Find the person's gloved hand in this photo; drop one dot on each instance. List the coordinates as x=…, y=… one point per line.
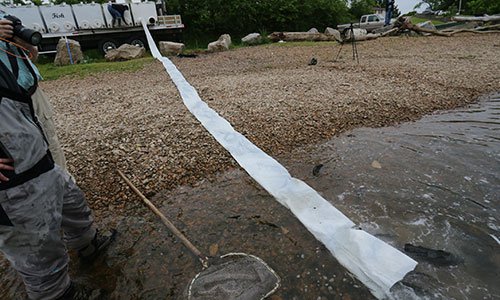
x=6, y=29
x=5, y=164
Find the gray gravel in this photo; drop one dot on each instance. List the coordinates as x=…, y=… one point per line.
x=137, y=122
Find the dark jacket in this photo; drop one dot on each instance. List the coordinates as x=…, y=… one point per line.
x=121, y=8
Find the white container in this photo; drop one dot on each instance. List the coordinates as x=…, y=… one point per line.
x=29, y=16
x=144, y=11
x=109, y=18
x=58, y=18
x=89, y=16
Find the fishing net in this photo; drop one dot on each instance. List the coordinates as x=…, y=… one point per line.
x=234, y=276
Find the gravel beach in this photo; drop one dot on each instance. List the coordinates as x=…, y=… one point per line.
x=137, y=122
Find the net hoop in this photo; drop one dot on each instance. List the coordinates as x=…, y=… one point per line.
x=276, y=286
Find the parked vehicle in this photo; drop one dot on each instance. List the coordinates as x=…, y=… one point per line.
x=91, y=24
x=368, y=22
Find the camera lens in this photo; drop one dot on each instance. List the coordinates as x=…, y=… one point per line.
x=29, y=35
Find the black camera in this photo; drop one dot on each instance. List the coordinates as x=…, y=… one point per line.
x=29, y=35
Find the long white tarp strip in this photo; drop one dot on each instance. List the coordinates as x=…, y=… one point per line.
x=375, y=263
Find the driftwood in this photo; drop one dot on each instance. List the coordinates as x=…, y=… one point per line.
x=485, y=18
x=366, y=37
x=405, y=23
x=389, y=32
x=300, y=37
x=480, y=30
x=473, y=31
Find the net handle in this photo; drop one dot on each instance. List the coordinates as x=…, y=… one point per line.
x=203, y=259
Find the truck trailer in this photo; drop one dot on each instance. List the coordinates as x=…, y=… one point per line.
x=91, y=24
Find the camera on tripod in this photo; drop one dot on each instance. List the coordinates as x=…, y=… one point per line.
x=30, y=36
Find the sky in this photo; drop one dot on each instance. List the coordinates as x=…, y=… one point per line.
x=407, y=5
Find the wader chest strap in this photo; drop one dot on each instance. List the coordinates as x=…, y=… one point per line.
x=42, y=166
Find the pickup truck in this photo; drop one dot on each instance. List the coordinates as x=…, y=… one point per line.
x=368, y=22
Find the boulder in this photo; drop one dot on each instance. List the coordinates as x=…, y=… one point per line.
x=313, y=30
x=334, y=32
x=125, y=52
x=427, y=25
x=171, y=48
x=252, y=39
x=63, y=55
x=222, y=44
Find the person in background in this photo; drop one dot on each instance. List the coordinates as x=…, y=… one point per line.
x=117, y=11
x=389, y=7
x=42, y=210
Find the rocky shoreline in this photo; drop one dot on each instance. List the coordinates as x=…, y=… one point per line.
x=137, y=122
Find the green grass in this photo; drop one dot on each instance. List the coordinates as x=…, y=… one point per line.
x=416, y=20
x=89, y=67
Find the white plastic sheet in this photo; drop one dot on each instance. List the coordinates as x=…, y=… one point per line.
x=375, y=263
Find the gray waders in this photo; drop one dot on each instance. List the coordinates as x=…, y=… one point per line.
x=38, y=201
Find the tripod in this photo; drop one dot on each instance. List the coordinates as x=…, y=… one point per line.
x=353, y=43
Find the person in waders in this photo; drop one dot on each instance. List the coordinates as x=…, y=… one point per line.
x=42, y=210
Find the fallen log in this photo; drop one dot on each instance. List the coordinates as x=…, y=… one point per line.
x=366, y=37
x=482, y=29
x=389, y=32
x=485, y=18
x=301, y=37
x=473, y=31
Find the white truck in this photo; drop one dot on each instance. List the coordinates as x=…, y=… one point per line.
x=91, y=24
x=368, y=22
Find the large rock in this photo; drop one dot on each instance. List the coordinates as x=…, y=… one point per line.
x=313, y=30
x=171, y=48
x=222, y=44
x=334, y=32
x=125, y=52
x=427, y=25
x=252, y=39
x=63, y=54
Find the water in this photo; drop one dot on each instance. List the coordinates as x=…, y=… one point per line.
x=434, y=183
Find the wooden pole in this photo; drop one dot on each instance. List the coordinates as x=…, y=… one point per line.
x=173, y=229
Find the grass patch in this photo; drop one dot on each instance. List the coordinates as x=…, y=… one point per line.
x=91, y=66
x=416, y=20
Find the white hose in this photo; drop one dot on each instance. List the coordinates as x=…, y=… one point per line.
x=375, y=263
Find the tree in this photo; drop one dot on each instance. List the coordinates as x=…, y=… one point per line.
x=361, y=7
x=472, y=7
x=239, y=17
x=481, y=7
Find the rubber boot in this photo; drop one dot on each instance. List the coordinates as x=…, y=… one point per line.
x=97, y=246
x=77, y=291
